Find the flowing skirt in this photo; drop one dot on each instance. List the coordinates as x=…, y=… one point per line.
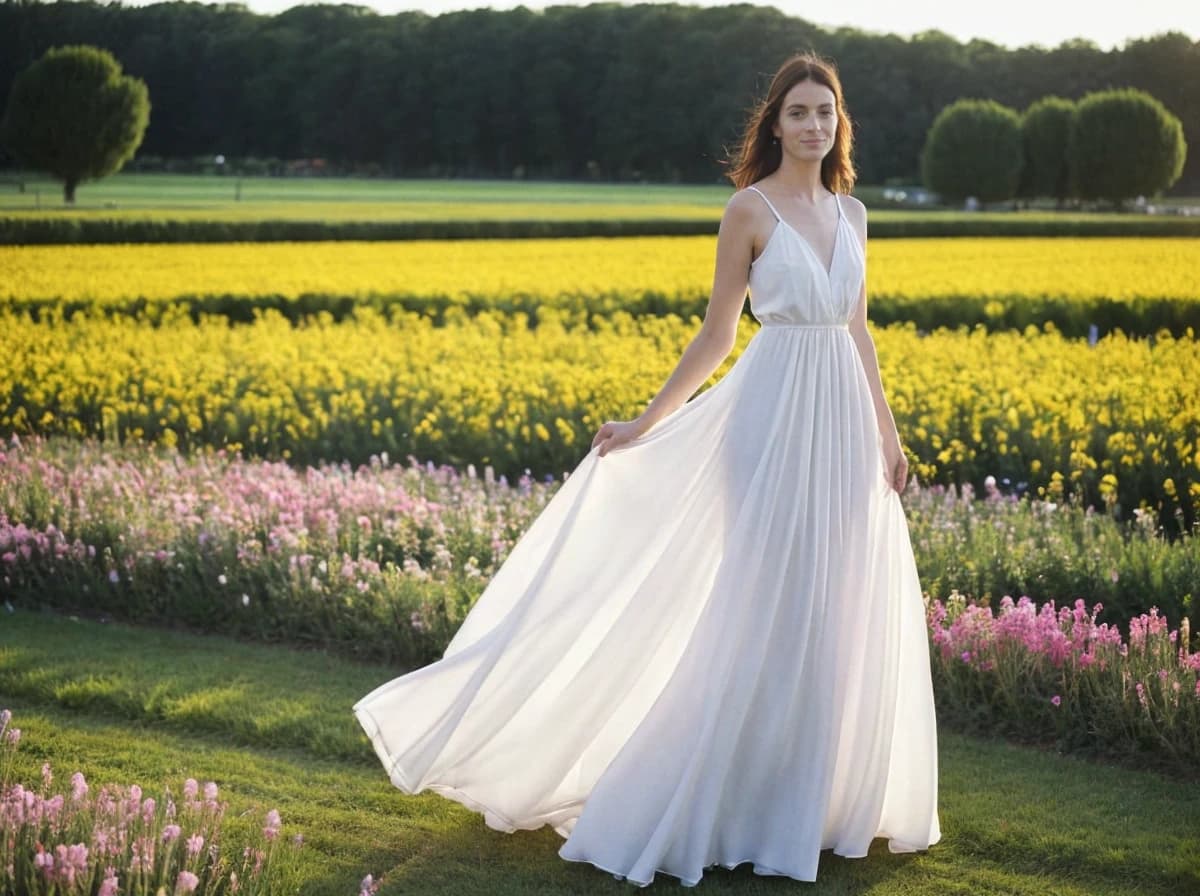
x=709, y=648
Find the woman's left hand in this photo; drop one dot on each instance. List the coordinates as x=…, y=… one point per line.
x=895, y=463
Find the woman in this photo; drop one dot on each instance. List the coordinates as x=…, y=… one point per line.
x=710, y=647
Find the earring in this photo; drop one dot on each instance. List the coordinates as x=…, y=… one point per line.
x=774, y=139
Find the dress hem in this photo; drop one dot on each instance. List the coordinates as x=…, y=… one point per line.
x=761, y=870
x=494, y=819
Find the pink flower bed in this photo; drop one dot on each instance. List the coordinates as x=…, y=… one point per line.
x=1031, y=670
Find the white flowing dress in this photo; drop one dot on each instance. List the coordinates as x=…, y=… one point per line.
x=710, y=647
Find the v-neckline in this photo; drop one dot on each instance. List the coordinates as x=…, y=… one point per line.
x=837, y=238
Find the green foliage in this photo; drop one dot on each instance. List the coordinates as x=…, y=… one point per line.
x=74, y=115
x=1072, y=316
x=1045, y=133
x=1124, y=143
x=57, y=229
x=974, y=149
x=600, y=92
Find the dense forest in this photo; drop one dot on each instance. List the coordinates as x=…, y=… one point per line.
x=604, y=91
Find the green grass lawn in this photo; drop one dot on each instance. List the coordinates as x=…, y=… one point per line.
x=273, y=727
x=212, y=197
x=354, y=199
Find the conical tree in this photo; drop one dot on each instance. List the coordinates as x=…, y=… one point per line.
x=75, y=116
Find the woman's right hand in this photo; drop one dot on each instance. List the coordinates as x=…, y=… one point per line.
x=615, y=433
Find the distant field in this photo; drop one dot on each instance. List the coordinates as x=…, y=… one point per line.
x=211, y=197
x=342, y=199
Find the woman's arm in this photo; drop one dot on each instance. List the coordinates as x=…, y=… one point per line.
x=718, y=333
x=894, y=460
x=857, y=215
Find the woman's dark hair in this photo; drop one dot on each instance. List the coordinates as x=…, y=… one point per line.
x=758, y=155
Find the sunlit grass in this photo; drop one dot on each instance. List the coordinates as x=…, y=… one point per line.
x=213, y=197
x=193, y=197
x=1015, y=820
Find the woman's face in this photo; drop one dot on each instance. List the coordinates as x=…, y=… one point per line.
x=807, y=120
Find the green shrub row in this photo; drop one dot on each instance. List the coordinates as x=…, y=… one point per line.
x=1072, y=317
x=54, y=231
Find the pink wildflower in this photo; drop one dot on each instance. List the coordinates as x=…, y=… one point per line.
x=271, y=831
x=109, y=885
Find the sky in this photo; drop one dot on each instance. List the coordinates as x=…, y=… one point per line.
x=1011, y=23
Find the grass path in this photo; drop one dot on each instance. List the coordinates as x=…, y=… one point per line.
x=272, y=726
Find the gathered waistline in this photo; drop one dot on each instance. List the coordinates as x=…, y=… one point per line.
x=806, y=326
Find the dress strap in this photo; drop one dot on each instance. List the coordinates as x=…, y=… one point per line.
x=766, y=200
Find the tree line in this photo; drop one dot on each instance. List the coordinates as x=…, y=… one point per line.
x=611, y=92
x=1112, y=145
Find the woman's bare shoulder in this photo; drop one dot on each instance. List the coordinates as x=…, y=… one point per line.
x=743, y=196
x=854, y=205
x=743, y=207
x=856, y=214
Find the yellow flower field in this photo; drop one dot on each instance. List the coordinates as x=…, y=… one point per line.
x=1123, y=269
x=1119, y=420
